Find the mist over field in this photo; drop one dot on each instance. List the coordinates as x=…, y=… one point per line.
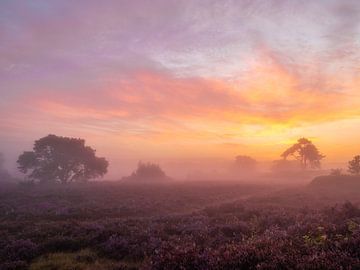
x=165, y=134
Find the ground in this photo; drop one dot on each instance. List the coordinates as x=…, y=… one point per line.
x=178, y=225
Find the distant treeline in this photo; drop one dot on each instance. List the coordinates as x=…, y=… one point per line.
x=57, y=159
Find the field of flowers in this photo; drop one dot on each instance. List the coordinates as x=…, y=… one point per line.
x=178, y=226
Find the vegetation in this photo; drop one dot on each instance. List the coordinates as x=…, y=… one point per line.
x=336, y=172
x=305, y=152
x=245, y=163
x=147, y=171
x=4, y=175
x=354, y=165
x=177, y=226
x=337, y=182
x=170, y=225
x=83, y=259
x=61, y=159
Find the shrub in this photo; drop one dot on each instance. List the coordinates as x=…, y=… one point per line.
x=19, y=250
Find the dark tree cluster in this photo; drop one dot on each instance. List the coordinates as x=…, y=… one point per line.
x=354, y=165
x=305, y=152
x=245, y=163
x=147, y=171
x=61, y=159
x=4, y=174
x=353, y=168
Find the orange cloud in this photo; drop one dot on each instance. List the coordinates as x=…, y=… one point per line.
x=259, y=109
x=268, y=95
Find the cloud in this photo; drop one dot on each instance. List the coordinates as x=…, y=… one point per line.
x=198, y=37
x=176, y=72
x=160, y=104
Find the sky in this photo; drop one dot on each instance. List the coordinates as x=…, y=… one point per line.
x=181, y=81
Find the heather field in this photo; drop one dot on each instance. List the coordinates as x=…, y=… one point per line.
x=177, y=134
x=178, y=225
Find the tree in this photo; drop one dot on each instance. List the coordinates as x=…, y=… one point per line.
x=354, y=165
x=4, y=175
x=336, y=172
x=306, y=152
x=147, y=171
x=2, y=161
x=245, y=163
x=61, y=159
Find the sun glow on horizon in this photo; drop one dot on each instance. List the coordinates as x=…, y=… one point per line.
x=181, y=85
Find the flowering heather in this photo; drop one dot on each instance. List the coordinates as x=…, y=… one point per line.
x=126, y=226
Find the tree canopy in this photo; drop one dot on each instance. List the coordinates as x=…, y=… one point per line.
x=147, y=171
x=61, y=159
x=4, y=175
x=354, y=165
x=245, y=163
x=306, y=152
x=2, y=160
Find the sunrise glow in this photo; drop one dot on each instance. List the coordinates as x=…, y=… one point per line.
x=170, y=80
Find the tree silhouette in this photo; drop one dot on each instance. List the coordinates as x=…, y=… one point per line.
x=147, y=171
x=354, y=165
x=245, y=163
x=306, y=152
x=336, y=172
x=4, y=175
x=61, y=159
x=2, y=160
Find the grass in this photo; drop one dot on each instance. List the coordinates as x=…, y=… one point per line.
x=82, y=260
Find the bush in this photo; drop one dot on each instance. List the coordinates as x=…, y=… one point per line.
x=19, y=250
x=147, y=171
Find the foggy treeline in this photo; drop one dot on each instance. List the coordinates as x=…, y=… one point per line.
x=65, y=160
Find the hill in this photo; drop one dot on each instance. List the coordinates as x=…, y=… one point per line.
x=340, y=182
